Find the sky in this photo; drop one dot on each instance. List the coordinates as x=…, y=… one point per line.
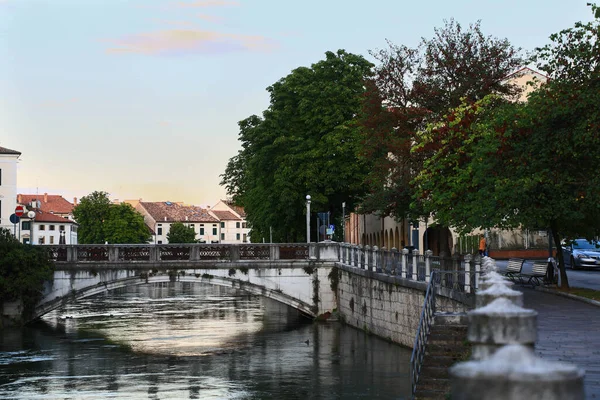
x=141, y=98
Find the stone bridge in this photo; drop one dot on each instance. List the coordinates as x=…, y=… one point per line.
x=293, y=274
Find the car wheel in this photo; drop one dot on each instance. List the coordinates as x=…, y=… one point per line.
x=573, y=266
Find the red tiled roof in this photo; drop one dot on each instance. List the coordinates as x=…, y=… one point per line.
x=225, y=216
x=173, y=212
x=237, y=209
x=42, y=216
x=48, y=202
x=4, y=150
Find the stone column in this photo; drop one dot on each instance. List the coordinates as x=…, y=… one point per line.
x=468, y=273
x=515, y=373
x=428, y=254
x=404, y=262
x=500, y=323
x=415, y=264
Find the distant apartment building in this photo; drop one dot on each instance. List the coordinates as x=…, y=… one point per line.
x=8, y=186
x=52, y=221
x=233, y=223
x=159, y=216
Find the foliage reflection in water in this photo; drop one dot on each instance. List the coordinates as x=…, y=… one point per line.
x=195, y=341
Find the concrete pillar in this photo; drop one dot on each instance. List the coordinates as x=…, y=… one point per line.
x=404, y=262
x=415, y=264
x=234, y=253
x=515, y=373
x=485, y=297
x=468, y=258
x=371, y=258
x=500, y=323
x=113, y=253
x=428, y=255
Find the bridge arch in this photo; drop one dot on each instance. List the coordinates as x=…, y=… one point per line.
x=249, y=287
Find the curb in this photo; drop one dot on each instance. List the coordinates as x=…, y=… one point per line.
x=570, y=296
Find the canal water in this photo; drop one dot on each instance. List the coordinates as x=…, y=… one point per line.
x=191, y=341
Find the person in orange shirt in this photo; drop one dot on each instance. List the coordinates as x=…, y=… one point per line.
x=482, y=245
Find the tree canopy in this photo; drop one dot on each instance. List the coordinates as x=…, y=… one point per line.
x=23, y=271
x=415, y=86
x=179, y=233
x=101, y=221
x=532, y=164
x=306, y=142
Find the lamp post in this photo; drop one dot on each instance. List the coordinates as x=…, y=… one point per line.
x=308, y=218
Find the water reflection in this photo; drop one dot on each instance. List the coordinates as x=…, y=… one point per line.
x=198, y=342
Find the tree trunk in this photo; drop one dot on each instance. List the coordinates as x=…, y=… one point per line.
x=564, y=280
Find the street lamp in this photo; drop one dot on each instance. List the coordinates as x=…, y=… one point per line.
x=308, y=218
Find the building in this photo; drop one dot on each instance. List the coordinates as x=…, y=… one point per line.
x=159, y=216
x=8, y=186
x=52, y=222
x=234, y=228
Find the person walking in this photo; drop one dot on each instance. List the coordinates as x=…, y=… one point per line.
x=482, y=245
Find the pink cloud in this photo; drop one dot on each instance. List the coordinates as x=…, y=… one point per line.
x=207, y=3
x=188, y=41
x=210, y=18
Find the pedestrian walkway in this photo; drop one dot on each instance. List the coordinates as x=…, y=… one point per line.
x=568, y=330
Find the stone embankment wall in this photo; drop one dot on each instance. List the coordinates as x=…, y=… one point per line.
x=388, y=306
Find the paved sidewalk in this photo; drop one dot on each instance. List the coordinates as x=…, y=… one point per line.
x=568, y=330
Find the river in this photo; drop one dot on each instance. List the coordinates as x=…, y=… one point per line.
x=191, y=341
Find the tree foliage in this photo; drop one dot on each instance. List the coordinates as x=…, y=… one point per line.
x=101, y=221
x=306, y=142
x=415, y=86
x=531, y=165
x=179, y=233
x=23, y=271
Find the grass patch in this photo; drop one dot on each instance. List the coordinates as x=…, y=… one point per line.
x=582, y=292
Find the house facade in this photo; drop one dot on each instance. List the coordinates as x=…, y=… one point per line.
x=8, y=186
x=159, y=216
x=233, y=224
x=51, y=221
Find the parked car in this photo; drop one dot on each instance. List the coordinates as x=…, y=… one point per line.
x=582, y=253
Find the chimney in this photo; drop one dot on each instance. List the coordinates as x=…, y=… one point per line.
x=186, y=217
x=45, y=197
x=74, y=201
x=165, y=219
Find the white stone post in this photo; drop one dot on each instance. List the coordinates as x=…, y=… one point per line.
x=468, y=273
x=415, y=264
x=428, y=254
x=477, y=272
x=404, y=262
x=373, y=261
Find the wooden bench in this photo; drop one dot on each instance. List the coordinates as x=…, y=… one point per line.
x=538, y=273
x=514, y=268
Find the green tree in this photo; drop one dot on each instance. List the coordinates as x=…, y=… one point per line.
x=306, y=142
x=415, y=86
x=179, y=233
x=528, y=164
x=101, y=221
x=23, y=271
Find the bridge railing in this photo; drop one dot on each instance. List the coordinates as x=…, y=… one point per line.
x=192, y=252
x=456, y=273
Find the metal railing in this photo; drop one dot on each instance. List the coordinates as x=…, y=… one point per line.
x=427, y=314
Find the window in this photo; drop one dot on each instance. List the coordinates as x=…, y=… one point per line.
x=42, y=227
x=245, y=238
x=237, y=236
x=61, y=227
x=159, y=231
x=25, y=240
x=193, y=226
x=243, y=225
x=51, y=239
x=222, y=236
x=222, y=224
x=25, y=225
x=201, y=230
x=237, y=225
x=51, y=227
x=214, y=230
x=41, y=240
x=160, y=242
x=0, y=177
